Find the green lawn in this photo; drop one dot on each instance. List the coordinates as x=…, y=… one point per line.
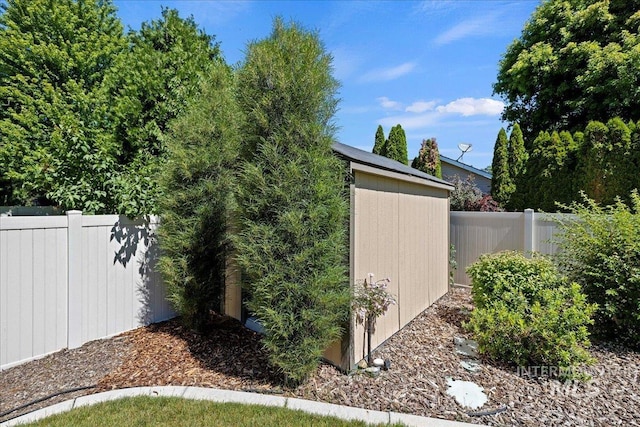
x=165, y=411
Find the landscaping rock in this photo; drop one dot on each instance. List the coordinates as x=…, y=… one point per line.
x=466, y=393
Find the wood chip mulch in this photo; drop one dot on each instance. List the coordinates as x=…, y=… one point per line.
x=422, y=357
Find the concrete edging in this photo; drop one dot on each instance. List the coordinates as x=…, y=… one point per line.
x=231, y=396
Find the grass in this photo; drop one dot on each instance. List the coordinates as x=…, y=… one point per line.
x=174, y=411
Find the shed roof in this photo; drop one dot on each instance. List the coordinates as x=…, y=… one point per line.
x=466, y=167
x=384, y=163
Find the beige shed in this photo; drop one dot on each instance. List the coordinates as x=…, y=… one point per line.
x=399, y=228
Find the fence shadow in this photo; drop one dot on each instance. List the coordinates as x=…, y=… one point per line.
x=138, y=241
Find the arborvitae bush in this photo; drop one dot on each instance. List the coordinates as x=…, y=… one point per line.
x=502, y=185
x=197, y=184
x=293, y=212
x=600, y=249
x=396, y=146
x=527, y=314
x=380, y=142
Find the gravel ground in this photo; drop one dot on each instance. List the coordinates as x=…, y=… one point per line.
x=422, y=357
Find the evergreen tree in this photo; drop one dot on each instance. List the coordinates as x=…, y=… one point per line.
x=517, y=162
x=53, y=145
x=380, y=144
x=293, y=213
x=197, y=181
x=592, y=167
x=501, y=184
x=428, y=159
x=620, y=161
x=517, y=152
x=396, y=145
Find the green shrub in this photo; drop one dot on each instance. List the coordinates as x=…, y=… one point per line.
x=600, y=249
x=495, y=275
x=527, y=314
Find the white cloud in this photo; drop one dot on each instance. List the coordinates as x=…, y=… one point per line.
x=472, y=107
x=423, y=114
x=412, y=121
x=386, y=74
x=388, y=104
x=420, y=107
x=479, y=26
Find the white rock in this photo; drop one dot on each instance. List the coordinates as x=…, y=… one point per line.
x=378, y=362
x=466, y=393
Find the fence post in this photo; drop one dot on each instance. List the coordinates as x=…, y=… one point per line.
x=529, y=231
x=74, y=279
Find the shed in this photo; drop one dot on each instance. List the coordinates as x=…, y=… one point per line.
x=451, y=168
x=399, y=228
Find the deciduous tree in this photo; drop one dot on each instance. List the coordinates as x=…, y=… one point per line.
x=428, y=159
x=575, y=62
x=151, y=84
x=54, y=147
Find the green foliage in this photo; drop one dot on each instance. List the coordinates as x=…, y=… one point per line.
x=197, y=182
x=53, y=145
x=575, y=61
x=465, y=193
x=527, y=314
x=428, y=159
x=501, y=183
x=380, y=143
x=396, y=146
x=292, y=244
x=602, y=161
x=517, y=152
x=600, y=249
x=87, y=109
x=151, y=84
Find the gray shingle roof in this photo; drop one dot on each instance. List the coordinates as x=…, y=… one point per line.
x=370, y=159
x=466, y=167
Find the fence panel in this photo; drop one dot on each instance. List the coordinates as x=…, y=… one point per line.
x=477, y=233
x=33, y=287
x=67, y=280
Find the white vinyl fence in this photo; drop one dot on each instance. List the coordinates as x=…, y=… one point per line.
x=70, y=279
x=477, y=233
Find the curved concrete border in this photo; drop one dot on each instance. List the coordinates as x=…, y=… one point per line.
x=217, y=395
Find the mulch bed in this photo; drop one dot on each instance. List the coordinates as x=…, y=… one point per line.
x=422, y=358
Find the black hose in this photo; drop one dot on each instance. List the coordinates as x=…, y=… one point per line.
x=42, y=399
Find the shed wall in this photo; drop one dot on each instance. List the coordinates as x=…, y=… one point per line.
x=400, y=231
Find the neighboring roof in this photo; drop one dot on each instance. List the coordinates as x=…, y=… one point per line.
x=381, y=162
x=466, y=167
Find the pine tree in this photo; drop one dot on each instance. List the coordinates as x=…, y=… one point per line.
x=501, y=184
x=292, y=244
x=380, y=144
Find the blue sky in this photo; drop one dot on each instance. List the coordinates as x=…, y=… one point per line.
x=427, y=65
